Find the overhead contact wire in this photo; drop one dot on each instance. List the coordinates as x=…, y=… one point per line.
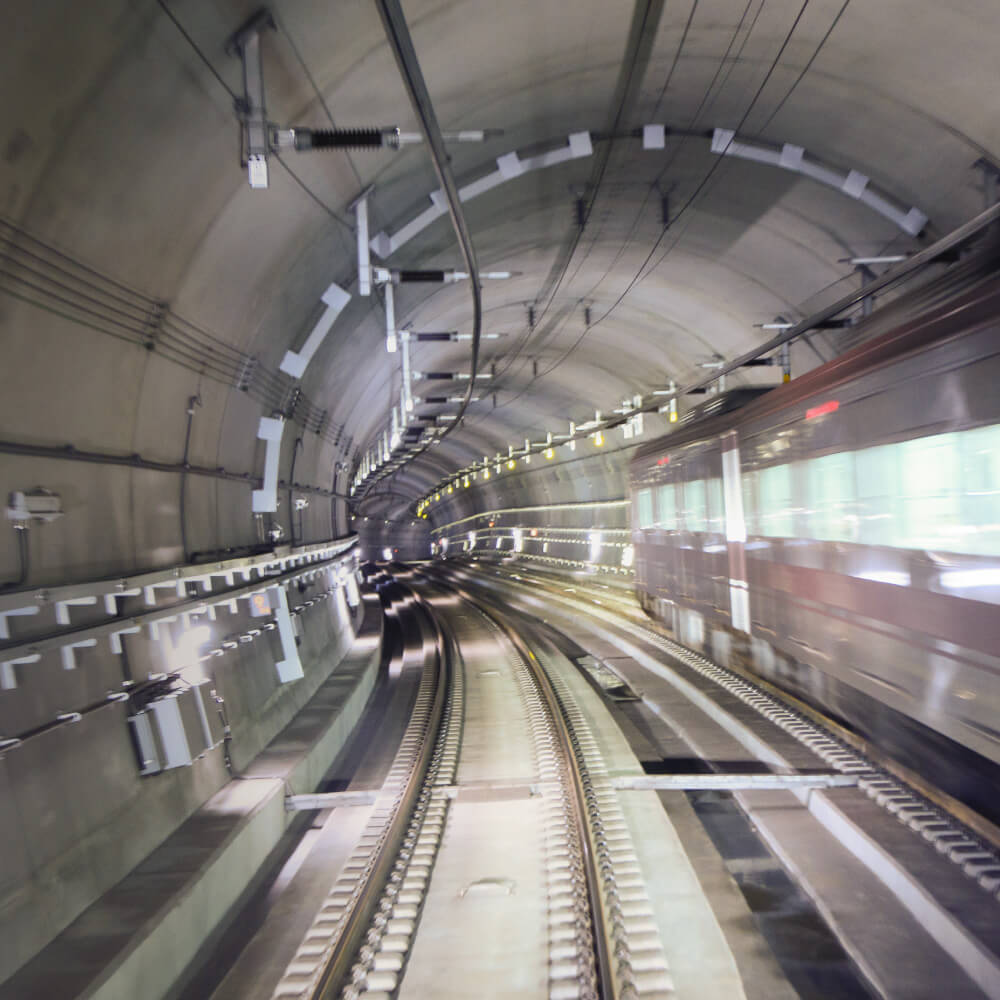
x=684, y=208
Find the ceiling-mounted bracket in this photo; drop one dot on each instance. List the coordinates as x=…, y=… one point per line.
x=250, y=108
x=360, y=209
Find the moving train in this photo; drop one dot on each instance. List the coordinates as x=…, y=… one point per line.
x=840, y=536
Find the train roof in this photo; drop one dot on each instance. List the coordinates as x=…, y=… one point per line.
x=960, y=314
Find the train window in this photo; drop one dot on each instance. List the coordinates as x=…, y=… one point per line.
x=645, y=508
x=749, y=479
x=695, y=506
x=877, y=471
x=938, y=493
x=980, y=460
x=716, y=507
x=666, y=504
x=776, y=516
x=830, y=498
x=930, y=493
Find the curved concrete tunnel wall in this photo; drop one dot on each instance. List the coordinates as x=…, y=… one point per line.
x=124, y=159
x=119, y=155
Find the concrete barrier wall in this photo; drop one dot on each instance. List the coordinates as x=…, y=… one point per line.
x=77, y=816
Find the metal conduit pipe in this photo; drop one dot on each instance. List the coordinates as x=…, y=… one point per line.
x=398, y=35
x=135, y=461
x=182, y=500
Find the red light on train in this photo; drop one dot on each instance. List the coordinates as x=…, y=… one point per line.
x=663, y=461
x=831, y=406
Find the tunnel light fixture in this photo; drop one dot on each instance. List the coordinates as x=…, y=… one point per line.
x=595, y=545
x=896, y=258
x=511, y=463
x=550, y=453
x=390, y=321
x=486, y=473
x=598, y=439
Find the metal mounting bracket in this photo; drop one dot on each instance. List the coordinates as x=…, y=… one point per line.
x=251, y=108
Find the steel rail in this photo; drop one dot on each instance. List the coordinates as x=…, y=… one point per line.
x=338, y=970
x=603, y=945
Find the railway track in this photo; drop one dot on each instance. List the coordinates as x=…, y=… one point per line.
x=943, y=871
x=597, y=940
x=514, y=847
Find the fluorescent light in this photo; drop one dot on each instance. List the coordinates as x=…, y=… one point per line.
x=895, y=258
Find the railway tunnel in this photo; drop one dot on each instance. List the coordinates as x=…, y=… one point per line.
x=501, y=499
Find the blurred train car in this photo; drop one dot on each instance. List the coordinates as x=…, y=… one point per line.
x=840, y=536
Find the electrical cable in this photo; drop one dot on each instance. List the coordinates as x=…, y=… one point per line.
x=806, y=68
x=292, y=173
x=687, y=204
x=656, y=186
x=23, y=234
x=597, y=175
x=649, y=24
x=201, y=55
x=677, y=55
x=312, y=194
x=114, y=310
x=692, y=125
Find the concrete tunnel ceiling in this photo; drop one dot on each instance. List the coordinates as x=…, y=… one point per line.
x=121, y=150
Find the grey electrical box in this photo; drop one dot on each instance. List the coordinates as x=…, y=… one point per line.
x=173, y=731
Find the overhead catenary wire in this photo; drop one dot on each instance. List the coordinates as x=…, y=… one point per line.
x=640, y=29
x=677, y=55
x=197, y=50
x=655, y=187
x=807, y=67
x=683, y=210
x=643, y=27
